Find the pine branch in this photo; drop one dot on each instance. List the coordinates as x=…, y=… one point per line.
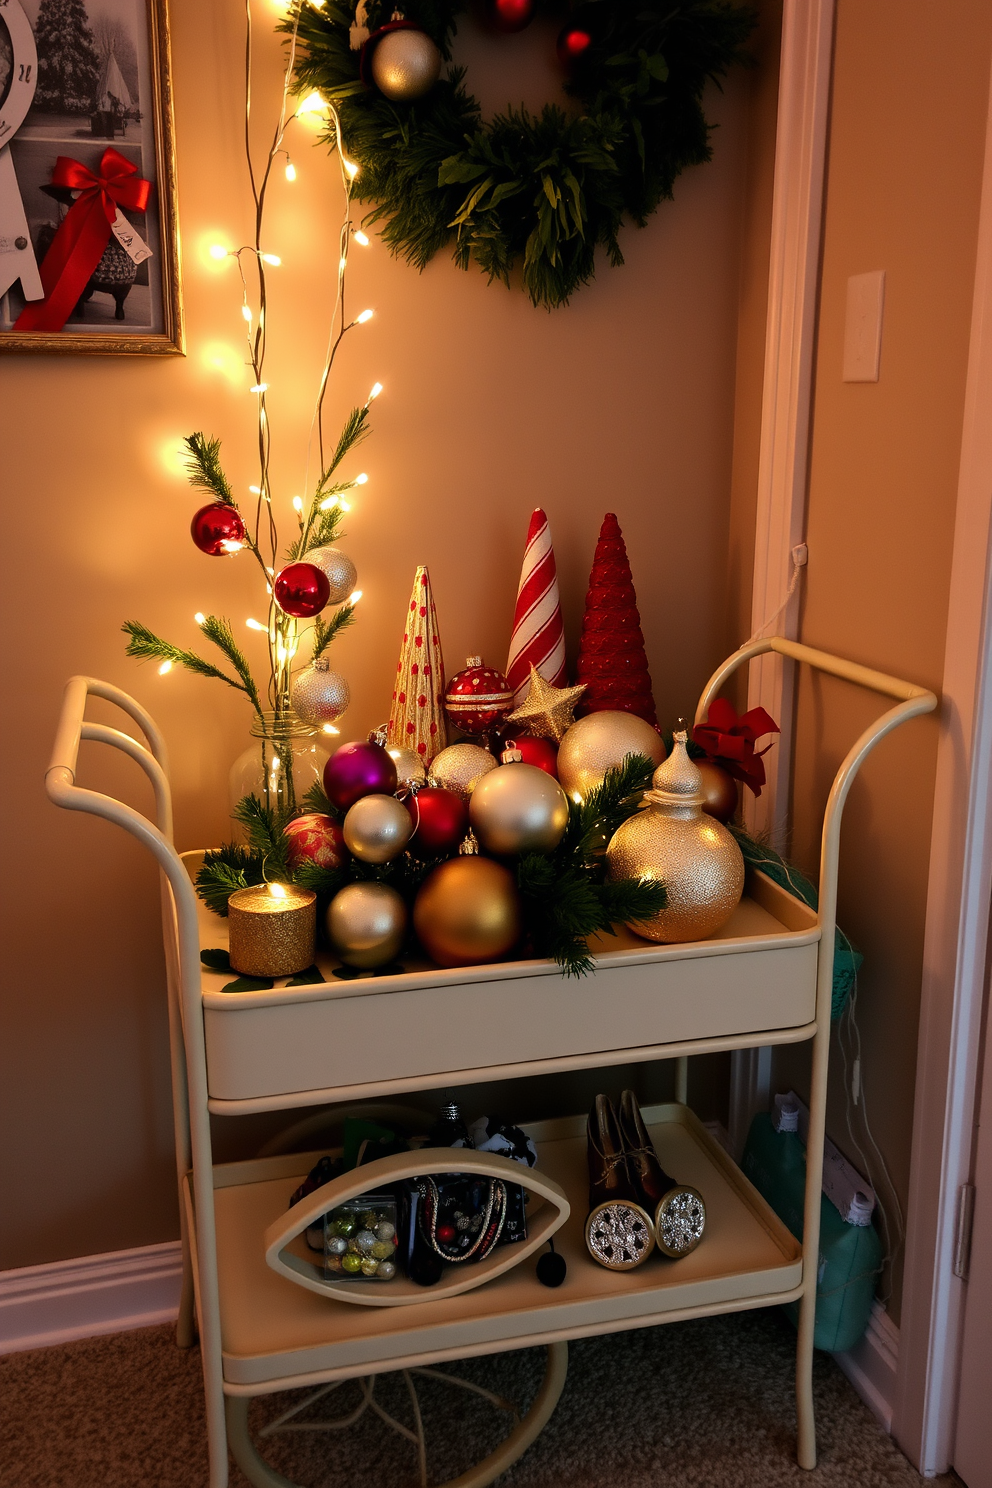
x=325, y=631
x=355, y=429
x=628, y=901
x=146, y=646
x=615, y=799
x=203, y=468
x=224, y=871
x=264, y=828
x=219, y=631
x=321, y=527
x=316, y=802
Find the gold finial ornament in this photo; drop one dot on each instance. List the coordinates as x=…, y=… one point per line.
x=547, y=711
x=672, y=842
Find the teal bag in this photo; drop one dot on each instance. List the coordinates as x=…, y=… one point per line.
x=847, y=960
x=850, y=1255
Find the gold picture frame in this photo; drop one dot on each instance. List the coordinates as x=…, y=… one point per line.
x=159, y=330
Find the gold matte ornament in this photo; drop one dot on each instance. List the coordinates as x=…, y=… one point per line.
x=272, y=928
x=673, y=842
x=405, y=64
x=458, y=767
x=366, y=923
x=377, y=828
x=518, y=808
x=467, y=912
x=599, y=742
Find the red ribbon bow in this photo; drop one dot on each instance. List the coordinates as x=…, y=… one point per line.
x=729, y=741
x=83, y=234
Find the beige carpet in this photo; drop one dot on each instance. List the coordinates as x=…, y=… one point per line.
x=705, y=1404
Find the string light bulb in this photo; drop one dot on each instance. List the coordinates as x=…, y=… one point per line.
x=361, y=237
x=255, y=490
x=365, y=316
x=345, y=505
x=254, y=624
x=259, y=387
x=200, y=618
x=246, y=312
x=330, y=729
x=218, y=251
x=164, y=668
x=272, y=259
x=298, y=503
x=376, y=390
x=312, y=104
x=361, y=480
x=328, y=502
x=290, y=171
x=351, y=168
x=354, y=596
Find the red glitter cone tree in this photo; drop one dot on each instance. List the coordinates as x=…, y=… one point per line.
x=612, y=661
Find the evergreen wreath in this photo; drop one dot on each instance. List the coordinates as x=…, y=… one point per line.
x=546, y=189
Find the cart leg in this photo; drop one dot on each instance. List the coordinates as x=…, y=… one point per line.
x=682, y=1079
x=186, y=1322
x=805, y=1420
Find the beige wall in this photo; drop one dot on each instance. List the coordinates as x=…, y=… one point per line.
x=622, y=402
x=907, y=132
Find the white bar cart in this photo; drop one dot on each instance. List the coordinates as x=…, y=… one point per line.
x=264, y=1324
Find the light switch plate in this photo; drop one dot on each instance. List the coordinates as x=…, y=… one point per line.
x=863, y=326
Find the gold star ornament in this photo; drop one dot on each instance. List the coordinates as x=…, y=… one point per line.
x=547, y=711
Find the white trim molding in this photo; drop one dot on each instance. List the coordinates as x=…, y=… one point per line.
x=65, y=1300
x=872, y=1365
x=957, y=924
x=797, y=209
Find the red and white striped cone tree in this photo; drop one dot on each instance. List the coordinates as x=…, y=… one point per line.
x=538, y=637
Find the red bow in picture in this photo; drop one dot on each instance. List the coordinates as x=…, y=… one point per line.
x=729, y=741
x=83, y=234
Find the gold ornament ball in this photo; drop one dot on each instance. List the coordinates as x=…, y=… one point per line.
x=366, y=923
x=518, y=808
x=405, y=64
x=341, y=573
x=458, y=767
x=319, y=695
x=671, y=841
x=377, y=829
x=467, y=912
x=599, y=742
x=719, y=789
x=410, y=768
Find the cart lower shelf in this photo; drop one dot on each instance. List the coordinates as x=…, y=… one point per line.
x=277, y=1334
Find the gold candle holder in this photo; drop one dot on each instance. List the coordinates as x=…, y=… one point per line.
x=272, y=929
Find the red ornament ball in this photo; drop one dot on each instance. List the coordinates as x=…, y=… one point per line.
x=477, y=698
x=314, y=839
x=357, y=770
x=445, y=1233
x=511, y=15
x=440, y=821
x=218, y=530
x=540, y=752
x=572, y=42
x=719, y=789
x=301, y=590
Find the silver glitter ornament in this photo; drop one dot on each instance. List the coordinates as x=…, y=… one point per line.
x=680, y=1221
x=341, y=573
x=619, y=1235
x=319, y=695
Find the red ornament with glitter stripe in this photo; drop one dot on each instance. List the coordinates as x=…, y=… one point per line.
x=478, y=698
x=416, y=714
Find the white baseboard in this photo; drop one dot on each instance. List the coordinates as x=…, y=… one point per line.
x=42, y=1305
x=872, y=1364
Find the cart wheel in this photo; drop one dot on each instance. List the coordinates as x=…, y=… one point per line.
x=525, y=1431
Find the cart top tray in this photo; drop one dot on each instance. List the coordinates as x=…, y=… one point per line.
x=425, y=1027
x=275, y=1331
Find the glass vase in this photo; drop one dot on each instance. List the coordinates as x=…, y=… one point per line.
x=284, y=759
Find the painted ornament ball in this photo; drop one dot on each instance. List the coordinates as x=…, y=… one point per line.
x=316, y=839
x=406, y=63
x=440, y=821
x=377, y=829
x=366, y=923
x=355, y=770
x=599, y=742
x=467, y=912
x=477, y=698
x=301, y=590
x=218, y=530
x=518, y=808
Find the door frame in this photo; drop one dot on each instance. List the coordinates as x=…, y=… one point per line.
x=957, y=925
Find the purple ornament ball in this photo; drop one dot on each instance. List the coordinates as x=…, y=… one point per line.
x=357, y=770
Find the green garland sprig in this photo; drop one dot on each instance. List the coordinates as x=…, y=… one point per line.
x=565, y=894
x=541, y=190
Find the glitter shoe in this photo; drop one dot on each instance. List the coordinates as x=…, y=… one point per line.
x=679, y=1211
x=619, y=1233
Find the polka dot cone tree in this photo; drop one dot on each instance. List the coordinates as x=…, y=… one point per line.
x=416, y=716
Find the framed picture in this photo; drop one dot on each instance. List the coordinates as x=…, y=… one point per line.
x=89, y=245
